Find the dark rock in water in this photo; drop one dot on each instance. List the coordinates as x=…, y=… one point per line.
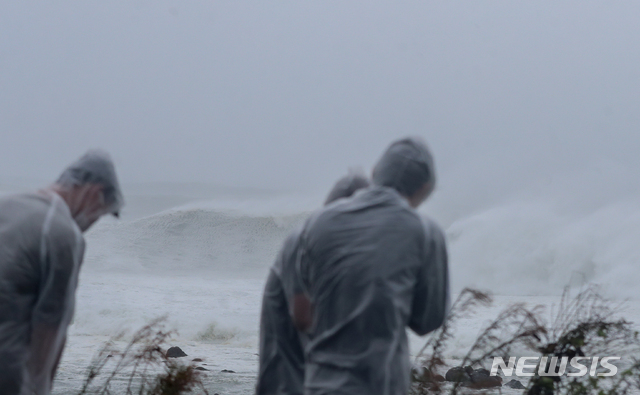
x=515, y=384
x=227, y=371
x=175, y=352
x=201, y=368
x=481, y=378
x=458, y=374
x=483, y=372
x=196, y=360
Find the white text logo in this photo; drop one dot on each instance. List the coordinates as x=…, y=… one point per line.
x=551, y=366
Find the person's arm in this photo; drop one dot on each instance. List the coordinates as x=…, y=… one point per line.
x=431, y=293
x=44, y=356
x=53, y=310
x=57, y=361
x=300, y=302
x=301, y=312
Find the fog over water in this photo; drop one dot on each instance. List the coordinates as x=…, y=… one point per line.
x=288, y=94
x=530, y=109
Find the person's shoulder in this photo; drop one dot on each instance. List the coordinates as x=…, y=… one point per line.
x=63, y=225
x=382, y=203
x=432, y=230
x=60, y=226
x=33, y=202
x=293, y=235
x=292, y=241
x=24, y=210
x=360, y=201
x=312, y=220
x=288, y=249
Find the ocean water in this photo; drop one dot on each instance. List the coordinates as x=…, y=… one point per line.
x=200, y=255
x=200, y=262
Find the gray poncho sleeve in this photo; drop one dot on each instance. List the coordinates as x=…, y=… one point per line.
x=431, y=294
x=62, y=255
x=61, y=250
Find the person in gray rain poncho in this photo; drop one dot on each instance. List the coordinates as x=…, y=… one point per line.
x=281, y=370
x=41, y=249
x=372, y=266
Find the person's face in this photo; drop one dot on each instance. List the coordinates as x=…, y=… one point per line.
x=90, y=206
x=420, y=195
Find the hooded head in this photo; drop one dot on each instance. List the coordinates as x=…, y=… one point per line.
x=407, y=166
x=347, y=186
x=90, y=187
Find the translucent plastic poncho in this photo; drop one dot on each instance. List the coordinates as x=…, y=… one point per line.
x=281, y=365
x=41, y=249
x=372, y=267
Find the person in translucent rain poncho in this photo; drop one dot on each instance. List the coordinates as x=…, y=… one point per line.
x=371, y=266
x=281, y=365
x=41, y=249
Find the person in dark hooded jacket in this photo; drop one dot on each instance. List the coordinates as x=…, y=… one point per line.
x=281, y=356
x=372, y=266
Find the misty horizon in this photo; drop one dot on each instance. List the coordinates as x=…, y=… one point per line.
x=287, y=96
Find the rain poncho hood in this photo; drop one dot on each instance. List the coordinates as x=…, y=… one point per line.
x=41, y=250
x=371, y=267
x=96, y=167
x=406, y=166
x=281, y=370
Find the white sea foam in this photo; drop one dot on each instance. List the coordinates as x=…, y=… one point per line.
x=534, y=249
x=194, y=261
x=190, y=240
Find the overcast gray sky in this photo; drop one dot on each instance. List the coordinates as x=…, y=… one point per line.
x=288, y=94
